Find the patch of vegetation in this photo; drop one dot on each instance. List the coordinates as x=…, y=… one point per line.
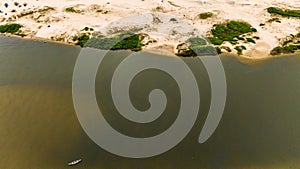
x=274, y=20
x=215, y=41
x=173, y=20
x=262, y=24
x=205, y=15
x=290, y=45
x=46, y=9
x=199, y=51
x=203, y=50
x=82, y=39
x=72, y=10
x=250, y=40
x=197, y=47
x=124, y=41
x=240, y=38
x=287, y=41
x=226, y=48
x=230, y=31
x=10, y=28
x=159, y=9
x=196, y=41
x=284, y=12
x=87, y=29
x=240, y=49
x=218, y=49
x=285, y=49
x=256, y=37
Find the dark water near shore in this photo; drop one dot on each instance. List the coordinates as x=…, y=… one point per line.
x=260, y=127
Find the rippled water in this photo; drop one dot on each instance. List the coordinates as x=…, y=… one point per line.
x=39, y=127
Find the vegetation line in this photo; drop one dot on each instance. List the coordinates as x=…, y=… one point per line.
x=284, y=12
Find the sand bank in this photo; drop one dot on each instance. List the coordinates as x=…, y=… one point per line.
x=60, y=20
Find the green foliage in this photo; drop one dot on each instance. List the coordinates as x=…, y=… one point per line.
x=240, y=38
x=215, y=41
x=289, y=45
x=75, y=38
x=285, y=49
x=10, y=28
x=72, y=10
x=226, y=48
x=197, y=41
x=199, y=51
x=230, y=31
x=240, y=49
x=250, y=40
x=82, y=39
x=123, y=41
x=284, y=43
x=205, y=15
x=256, y=37
x=274, y=20
x=198, y=47
x=284, y=12
x=203, y=50
x=218, y=49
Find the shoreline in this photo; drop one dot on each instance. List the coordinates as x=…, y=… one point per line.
x=157, y=50
x=60, y=20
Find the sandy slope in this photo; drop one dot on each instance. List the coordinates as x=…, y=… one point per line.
x=63, y=25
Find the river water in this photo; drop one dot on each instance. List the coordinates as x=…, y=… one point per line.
x=39, y=128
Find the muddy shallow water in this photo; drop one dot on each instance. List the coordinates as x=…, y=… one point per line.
x=39, y=127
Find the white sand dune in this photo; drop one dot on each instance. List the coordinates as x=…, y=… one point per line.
x=97, y=14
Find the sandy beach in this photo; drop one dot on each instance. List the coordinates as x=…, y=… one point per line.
x=51, y=20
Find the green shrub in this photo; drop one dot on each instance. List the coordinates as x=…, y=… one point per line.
x=199, y=51
x=123, y=41
x=226, y=48
x=256, y=37
x=75, y=38
x=10, y=28
x=274, y=20
x=203, y=50
x=205, y=15
x=285, y=49
x=197, y=41
x=250, y=40
x=284, y=12
x=240, y=49
x=218, y=49
x=240, y=38
x=82, y=39
x=72, y=10
x=215, y=41
x=230, y=31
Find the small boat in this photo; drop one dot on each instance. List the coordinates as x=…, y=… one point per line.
x=75, y=162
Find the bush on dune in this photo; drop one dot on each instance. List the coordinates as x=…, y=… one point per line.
x=10, y=28
x=124, y=41
x=284, y=12
x=230, y=31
